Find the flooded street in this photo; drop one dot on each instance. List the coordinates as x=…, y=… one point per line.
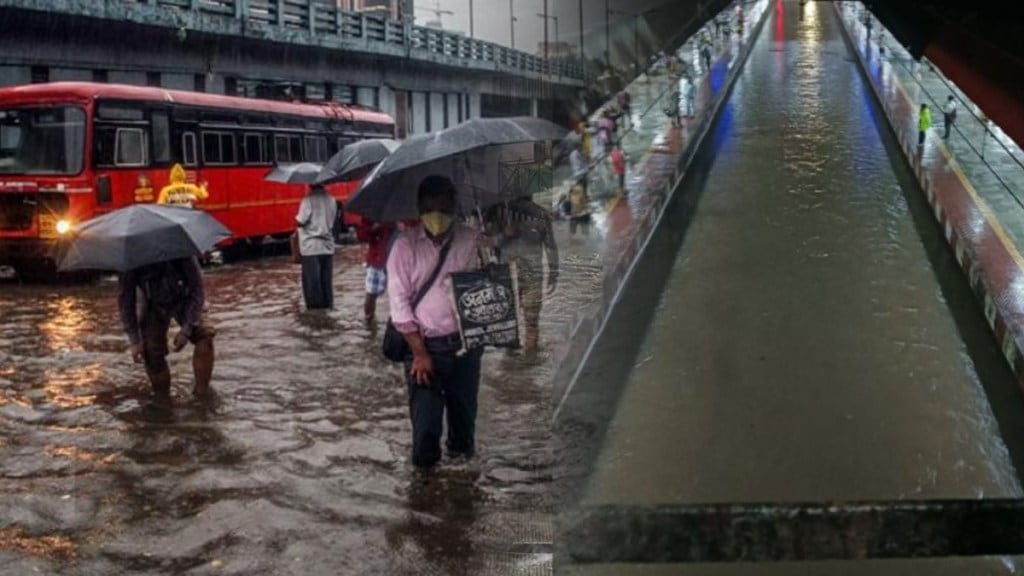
x=301, y=465
x=815, y=340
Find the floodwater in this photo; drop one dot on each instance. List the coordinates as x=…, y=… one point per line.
x=815, y=340
x=301, y=465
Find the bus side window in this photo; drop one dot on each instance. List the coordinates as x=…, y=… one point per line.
x=161, y=138
x=130, y=147
x=188, y=148
x=219, y=148
x=316, y=149
x=295, y=147
x=255, y=148
x=287, y=149
x=281, y=149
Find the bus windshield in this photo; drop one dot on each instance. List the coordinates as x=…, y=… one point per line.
x=42, y=140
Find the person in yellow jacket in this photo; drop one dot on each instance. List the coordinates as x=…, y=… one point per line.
x=924, y=122
x=179, y=192
x=584, y=134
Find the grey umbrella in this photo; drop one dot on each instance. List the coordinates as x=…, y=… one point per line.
x=350, y=161
x=301, y=173
x=469, y=153
x=139, y=235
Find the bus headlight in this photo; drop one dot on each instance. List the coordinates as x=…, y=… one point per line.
x=63, y=227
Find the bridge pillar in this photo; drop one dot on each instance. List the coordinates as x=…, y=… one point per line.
x=474, y=105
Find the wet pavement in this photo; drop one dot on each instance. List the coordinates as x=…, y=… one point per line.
x=986, y=156
x=301, y=465
x=815, y=340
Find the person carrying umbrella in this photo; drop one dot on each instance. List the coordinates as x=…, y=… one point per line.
x=169, y=290
x=316, y=220
x=437, y=377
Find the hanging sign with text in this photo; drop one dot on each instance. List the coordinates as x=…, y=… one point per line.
x=487, y=304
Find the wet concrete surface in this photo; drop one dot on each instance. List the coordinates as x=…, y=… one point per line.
x=815, y=340
x=299, y=467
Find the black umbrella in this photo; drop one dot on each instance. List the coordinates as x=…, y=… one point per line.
x=351, y=160
x=470, y=153
x=140, y=235
x=301, y=173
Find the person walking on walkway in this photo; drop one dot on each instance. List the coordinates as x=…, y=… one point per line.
x=169, y=291
x=316, y=219
x=687, y=96
x=625, y=103
x=705, y=54
x=579, y=207
x=619, y=167
x=377, y=236
x=949, y=115
x=585, y=139
x=924, y=122
x=525, y=236
x=438, y=378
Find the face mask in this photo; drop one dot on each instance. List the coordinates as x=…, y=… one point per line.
x=436, y=223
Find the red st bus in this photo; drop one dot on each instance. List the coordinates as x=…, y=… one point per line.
x=70, y=151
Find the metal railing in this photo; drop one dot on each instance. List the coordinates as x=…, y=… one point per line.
x=325, y=18
x=983, y=131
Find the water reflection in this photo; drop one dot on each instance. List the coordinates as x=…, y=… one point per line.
x=65, y=323
x=304, y=453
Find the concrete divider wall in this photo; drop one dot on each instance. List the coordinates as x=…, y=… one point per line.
x=663, y=174
x=986, y=256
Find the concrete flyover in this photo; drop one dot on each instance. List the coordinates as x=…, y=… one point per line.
x=428, y=79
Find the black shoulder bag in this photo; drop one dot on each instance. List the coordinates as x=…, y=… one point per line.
x=395, y=347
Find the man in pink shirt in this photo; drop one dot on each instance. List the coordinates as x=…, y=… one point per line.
x=438, y=379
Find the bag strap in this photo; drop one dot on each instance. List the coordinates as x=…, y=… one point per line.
x=433, y=275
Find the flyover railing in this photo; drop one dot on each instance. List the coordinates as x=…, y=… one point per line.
x=992, y=161
x=325, y=18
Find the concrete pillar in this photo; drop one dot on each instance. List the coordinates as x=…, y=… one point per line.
x=14, y=75
x=474, y=105
x=418, y=112
x=70, y=75
x=134, y=78
x=387, y=101
x=436, y=111
x=453, y=109
x=534, y=107
x=177, y=81
x=364, y=96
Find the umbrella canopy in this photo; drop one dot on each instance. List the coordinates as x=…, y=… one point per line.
x=139, y=235
x=350, y=161
x=471, y=154
x=301, y=173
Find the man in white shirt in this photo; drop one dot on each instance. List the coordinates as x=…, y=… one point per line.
x=949, y=115
x=315, y=221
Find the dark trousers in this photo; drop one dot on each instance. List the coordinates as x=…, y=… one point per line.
x=453, y=393
x=920, y=137
x=949, y=124
x=317, y=281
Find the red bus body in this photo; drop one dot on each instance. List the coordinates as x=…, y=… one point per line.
x=70, y=151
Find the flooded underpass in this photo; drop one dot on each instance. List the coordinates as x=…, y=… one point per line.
x=812, y=338
x=300, y=466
